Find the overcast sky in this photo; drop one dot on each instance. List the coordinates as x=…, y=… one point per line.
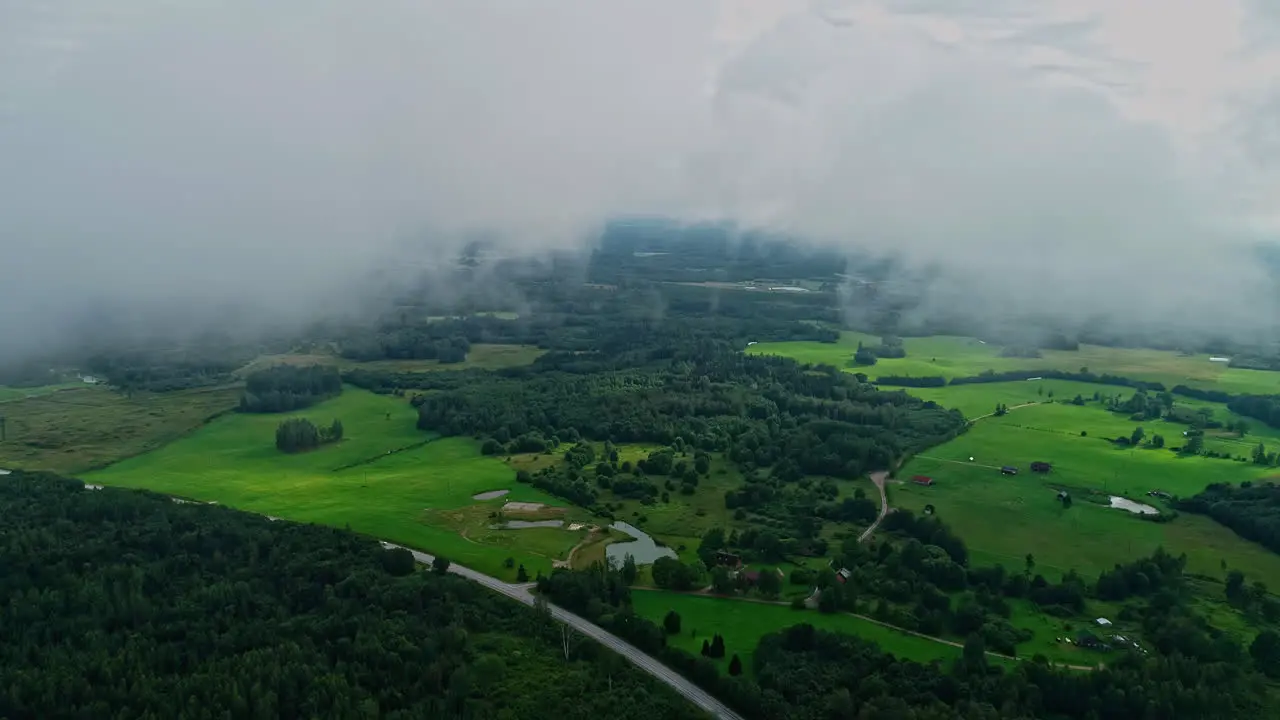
x=1089, y=154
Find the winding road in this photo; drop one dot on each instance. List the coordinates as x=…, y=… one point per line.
x=523, y=593
x=877, y=478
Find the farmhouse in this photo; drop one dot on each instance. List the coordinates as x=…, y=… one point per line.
x=1009, y=470
x=922, y=480
x=727, y=559
x=1041, y=467
x=843, y=576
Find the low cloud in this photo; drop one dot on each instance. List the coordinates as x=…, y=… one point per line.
x=271, y=154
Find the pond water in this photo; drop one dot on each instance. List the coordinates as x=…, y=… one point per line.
x=4, y=472
x=490, y=495
x=1133, y=507
x=643, y=548
x=521, y=524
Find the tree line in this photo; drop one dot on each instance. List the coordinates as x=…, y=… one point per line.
x=285, y=388
x=1251, y=510
x=121, y=603
x=801, y=673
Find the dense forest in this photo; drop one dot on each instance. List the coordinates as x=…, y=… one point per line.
x=1251, y=510
x=123, y=604
x=805, y=674
x=285, y=388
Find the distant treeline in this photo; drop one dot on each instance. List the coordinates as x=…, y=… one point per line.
x=285, y=388
x=991, y=376
x=1253, y=512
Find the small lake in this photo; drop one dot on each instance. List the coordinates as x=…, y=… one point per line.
x=643, y=548
x=5, y=472
x=1133, y=507
x=522, y=524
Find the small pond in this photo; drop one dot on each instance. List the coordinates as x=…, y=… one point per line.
x=1134, y=507
x=490, y=495
x=521, y=524
x=5, y=472
x=643, y=548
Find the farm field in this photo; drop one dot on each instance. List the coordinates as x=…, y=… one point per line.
x=85, y=427
x=482, y=357
x=1003, y=518
x=743, y=623
x=9, y=394
x=950, y=356
x=385, y=478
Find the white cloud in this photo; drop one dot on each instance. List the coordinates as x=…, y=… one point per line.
x=219, y=148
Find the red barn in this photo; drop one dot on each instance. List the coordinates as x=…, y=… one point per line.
x=922, y=480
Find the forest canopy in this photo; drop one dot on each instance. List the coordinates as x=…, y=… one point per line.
x=285, y=388
x=120, y=603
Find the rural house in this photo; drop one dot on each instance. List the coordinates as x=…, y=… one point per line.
x=1009, y=470
x=727, y=559
x=922, y=480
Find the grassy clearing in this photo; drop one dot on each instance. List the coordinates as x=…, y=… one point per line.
x=9, y=394
x=980, y=399
x=743, y=623
x=1003, y=518
x=420, y=497
x=84, y=427
x=482, y=356
x=958, y=356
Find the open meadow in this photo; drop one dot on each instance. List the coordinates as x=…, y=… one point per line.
x=84, y=427
x=385, y=478
x=481, y=357
x=742, y=623
x=1002, y=518
x=949, y=357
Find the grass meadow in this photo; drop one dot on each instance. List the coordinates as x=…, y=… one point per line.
x=950, y=357
x=1002, y=518
x=481, y=357
x=420, y=496
x=743, y=623
x=84, y=427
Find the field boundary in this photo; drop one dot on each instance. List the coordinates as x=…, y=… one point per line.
x=881, y=623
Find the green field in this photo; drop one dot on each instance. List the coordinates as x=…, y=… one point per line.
x=950, y=357
x=85, y=427
x=481, y=357
x=743, y=623
x=9, y=394
x=1003, y=518
x=420, y=497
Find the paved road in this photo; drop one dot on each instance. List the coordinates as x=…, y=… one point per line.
x=878, y=479
x=523, y=593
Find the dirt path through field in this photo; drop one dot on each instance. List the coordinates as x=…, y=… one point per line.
x=878, y=478
x=1015, y=407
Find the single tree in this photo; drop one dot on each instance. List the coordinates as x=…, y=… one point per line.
x=717, y=647
x=672, y=623
x=522, y=575
x=629, y=569
x=440, y=565
x=1030, y=563
x=1265, y=652
x=1136, y=437
x=735, y=665
x=706, y=649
